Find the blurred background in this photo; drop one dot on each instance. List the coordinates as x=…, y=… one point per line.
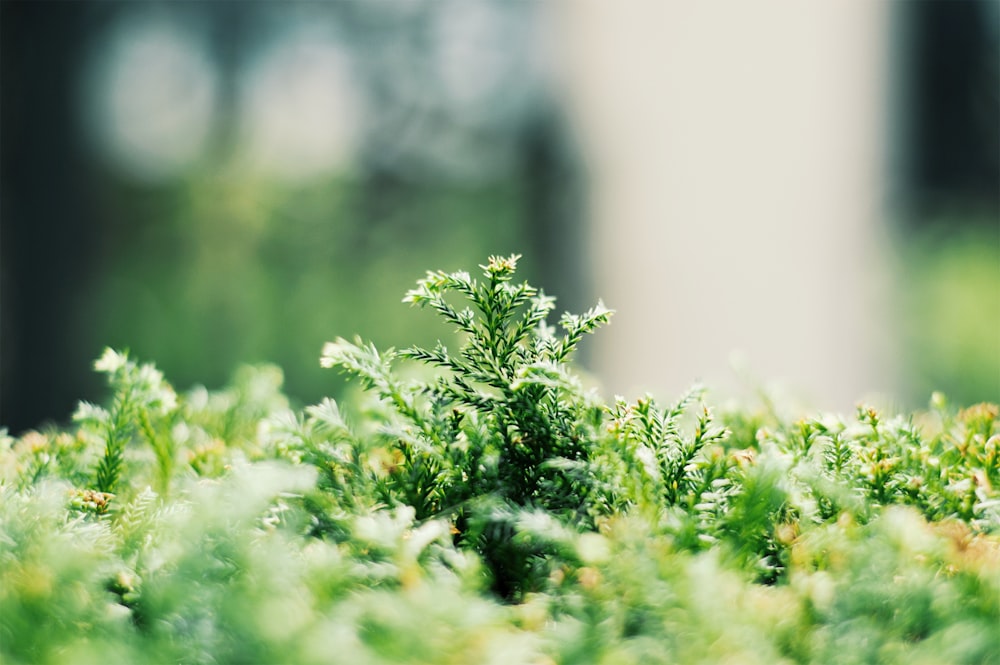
x=803, y=196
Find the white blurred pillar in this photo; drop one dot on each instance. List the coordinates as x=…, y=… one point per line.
x=735, y=156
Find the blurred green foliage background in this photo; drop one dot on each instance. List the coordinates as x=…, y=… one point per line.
x=950, y=309
x=212, y=184
x=252, y=272
x=217, y=183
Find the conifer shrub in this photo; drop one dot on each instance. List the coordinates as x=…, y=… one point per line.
x=475, y=503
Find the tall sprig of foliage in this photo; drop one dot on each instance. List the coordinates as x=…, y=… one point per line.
x=142, y=399
x=504, y=429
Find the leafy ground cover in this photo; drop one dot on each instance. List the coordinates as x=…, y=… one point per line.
x=475, y=503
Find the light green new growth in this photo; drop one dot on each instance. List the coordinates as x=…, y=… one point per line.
x=139, y=393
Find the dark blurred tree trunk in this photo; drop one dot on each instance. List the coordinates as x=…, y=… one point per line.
x=47, y=232
x=953, y=104
x=555, y=215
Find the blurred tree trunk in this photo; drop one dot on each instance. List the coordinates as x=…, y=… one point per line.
x=48, y=233
x=554, y=215
x=951, y=99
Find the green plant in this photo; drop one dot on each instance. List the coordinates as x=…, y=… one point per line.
x=140, y=398
x=480, y=505
x=504, y=429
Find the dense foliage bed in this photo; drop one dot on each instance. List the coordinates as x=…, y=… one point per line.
x=481, y=506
